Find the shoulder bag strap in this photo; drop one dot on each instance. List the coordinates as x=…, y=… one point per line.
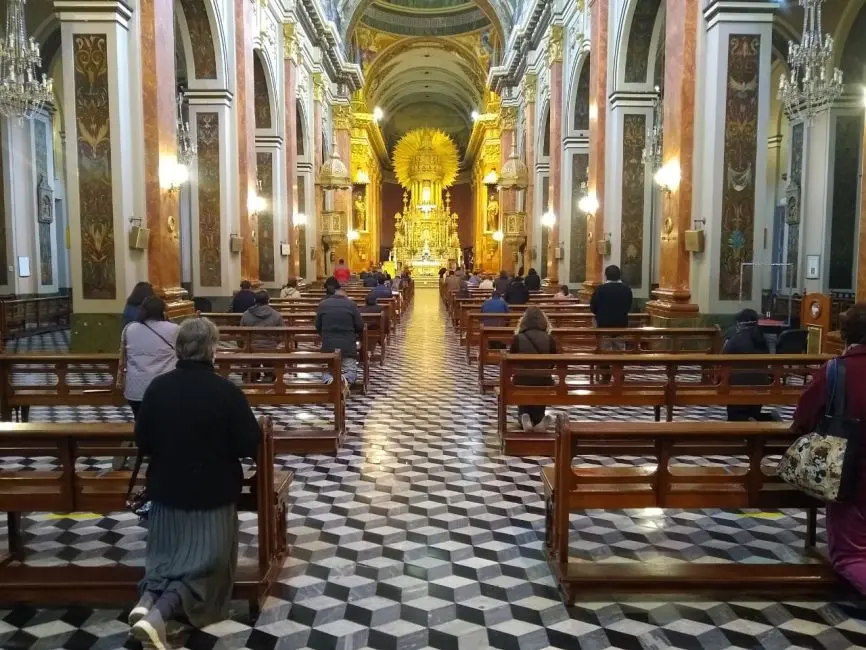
x=839, y=391
x=159, y=335
x=134, y=476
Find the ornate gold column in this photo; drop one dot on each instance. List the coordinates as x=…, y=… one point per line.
x=290, y=61
x=673, y=295
x=318, y=146
x=245, y=110
x=507, y=199
x=530, y=85
x=341, y=115
x=598, y=11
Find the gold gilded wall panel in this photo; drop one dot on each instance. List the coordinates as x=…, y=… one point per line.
x=265, y=173
x=93, y=138
x=201, y=38
x=209, y=207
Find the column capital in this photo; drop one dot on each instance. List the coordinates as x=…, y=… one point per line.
x=318, y=87
x=342, y=116
x=507, y=118
x=290, y=41
x=108, y=11
x=530, y=87
x=554, y=45
x=739, y=11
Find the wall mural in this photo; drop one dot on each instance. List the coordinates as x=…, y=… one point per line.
x=741, y=148
x=581, y=108
x=201, y=38
x=370, y=43
x=633, y=195
x=261, y=97
x=209, y=207
x=843, y=229
x=265, y=173
x=44, y=213
x=93, y=137
x=577, y=257
x=793, y=246
x=640, y=40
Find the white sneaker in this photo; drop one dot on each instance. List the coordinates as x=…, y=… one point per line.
x=526, y=422
x=545, y=424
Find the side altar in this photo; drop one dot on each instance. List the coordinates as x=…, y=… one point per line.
x=425, y=232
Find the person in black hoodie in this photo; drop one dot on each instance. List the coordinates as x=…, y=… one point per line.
x=533, y=280
x=533, y=337
x=747, y=338
x=502, y=282
x=517, y=293
x=244, y=299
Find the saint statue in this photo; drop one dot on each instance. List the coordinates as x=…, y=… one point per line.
x=492, y=214
x=360, y=213
x=425, y=255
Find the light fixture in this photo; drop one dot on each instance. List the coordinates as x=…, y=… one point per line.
x=333, y=174
x=172, y=174
x=668, y=176
x=548, y=219
x=653, y=149
x=23, y=90
x=362, y=178
x=515, y=175
x=491, y=178
x=187, y=150
x=588, y=204
x=299, y=220
x=498, y=236
x=256, y=204
x=812, y=85
x=353, y=235
x=864, y=96
x=378, y=114
x=474, y=115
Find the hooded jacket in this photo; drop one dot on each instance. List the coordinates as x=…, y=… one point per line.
x=339, y=323
x=262, y=316
x=532, y=338
x=517, y=293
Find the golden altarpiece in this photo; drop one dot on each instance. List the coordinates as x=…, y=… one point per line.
x=425, y=232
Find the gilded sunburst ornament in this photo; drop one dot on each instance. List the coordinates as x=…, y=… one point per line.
x=419, y=146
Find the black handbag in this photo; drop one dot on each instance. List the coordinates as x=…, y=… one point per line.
x=137, y=500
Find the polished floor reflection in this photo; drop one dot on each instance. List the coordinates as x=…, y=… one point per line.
x=420, y=534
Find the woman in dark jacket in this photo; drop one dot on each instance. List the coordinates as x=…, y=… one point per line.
x=140, y=292
x=533, y=280
x=533, y=337
x=517, y=293
x=194, y=426
x=746, y=338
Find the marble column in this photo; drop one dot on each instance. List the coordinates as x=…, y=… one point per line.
x=100, y=152
x=554, y=59
x=530, y=88
x=598, y=61
x=246, y=130
x=290, y=63
x=861, y=248
x=342, y=121
x=671, y=299
x=507, y=198
x=322, y=265
x=158, y=91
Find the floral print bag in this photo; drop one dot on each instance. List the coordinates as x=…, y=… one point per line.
x=824, y=463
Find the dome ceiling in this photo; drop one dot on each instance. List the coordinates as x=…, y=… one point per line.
x=425, y=17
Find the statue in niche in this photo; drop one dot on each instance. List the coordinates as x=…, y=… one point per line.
x=360, y=213
x=792, y=203
x=492, y=214
x=45, y=196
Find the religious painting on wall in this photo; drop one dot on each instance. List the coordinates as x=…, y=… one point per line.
x=741, y=148
x=44, y=203
x=792, y=216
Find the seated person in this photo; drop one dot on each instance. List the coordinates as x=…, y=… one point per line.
x=371, y=306
x=564, y=293
x=463, y=291
x=517, y=293
x=381, y=289
x=747, y=338
x=533, y=337
x=339, y=324
x=244, y=299
x=290, y=290
x=262, y=314
x=475, y=280
x=486, y=283
x=533, y=280
x=369, y=280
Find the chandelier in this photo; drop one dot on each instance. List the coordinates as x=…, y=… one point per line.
x=652, y=152
x=187, y=150
x=811, y=87
x=23, y=91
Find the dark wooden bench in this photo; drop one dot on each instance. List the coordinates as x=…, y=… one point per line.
x=28, y=380
x=653, y=380
x=26, y=316
x=569, y=318
x=463, y=306
x=576, y=340
x=665, y=482
x=68, y=488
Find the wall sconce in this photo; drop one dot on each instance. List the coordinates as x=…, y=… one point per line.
x=139, y=237
x=491, y=178
x=603, y=247
x=256, y=204
x=695, y=239
x=236, y=242
x=299, y=220
x=313, y=252
x=378, y=114
x=353, y=235
x=498, y=236
x=668, y=177
x=548, y=219
x=588, y=204
x=172, y=175
x=362, y=178
x=285, y=249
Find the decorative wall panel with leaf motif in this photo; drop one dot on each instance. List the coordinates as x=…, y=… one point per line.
x=265, y=172
x=209, y=204
x=633, y=199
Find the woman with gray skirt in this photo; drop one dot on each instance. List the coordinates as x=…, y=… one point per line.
x=194, y=426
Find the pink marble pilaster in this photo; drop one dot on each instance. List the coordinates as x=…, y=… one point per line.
x=245, y=109
x=555, y=168
x=290, y=70
x=318, y=147
x=529, y=197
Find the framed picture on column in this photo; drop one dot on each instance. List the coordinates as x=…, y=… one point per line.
x=813, y=267
x=23, y=267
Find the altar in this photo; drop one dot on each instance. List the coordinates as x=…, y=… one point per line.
x=425, y=268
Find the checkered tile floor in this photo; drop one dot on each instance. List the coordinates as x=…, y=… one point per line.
x=420, y=534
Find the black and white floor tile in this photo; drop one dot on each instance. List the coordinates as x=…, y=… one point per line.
x=420, y=534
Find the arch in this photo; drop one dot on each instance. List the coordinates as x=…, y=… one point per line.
x=638, y=24
x=543, y=141
x=264, y=105
x=497, y=13
x=577, y=110
x=302, y=147
x=844, y=28
x=203, y=39
x=853, y=53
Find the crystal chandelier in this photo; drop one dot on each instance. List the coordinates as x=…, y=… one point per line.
x=652, y=151
x=811, y=87
x=187, y=150
x=23, y=91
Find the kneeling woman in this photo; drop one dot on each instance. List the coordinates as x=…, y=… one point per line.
x=194, y=426
x=533, y=337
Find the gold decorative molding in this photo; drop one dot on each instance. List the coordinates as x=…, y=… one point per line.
x=554, y=45
x=530, y=87
x=507, y=118
x=290, y=41
x=318, y=87
x=342, y=116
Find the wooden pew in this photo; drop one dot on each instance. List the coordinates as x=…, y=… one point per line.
x=293, y=319
x=666, y=483
x=68, y=488
x=28, y=380
x=254, y=340
x=653, y=380
x=558, y=319
x=575, y=340
x=463, y=306
x=26, y=316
